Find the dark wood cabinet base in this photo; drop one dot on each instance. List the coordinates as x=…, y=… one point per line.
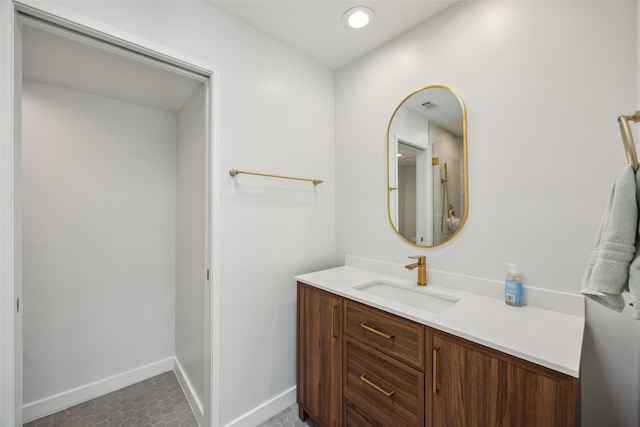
x=359, y=366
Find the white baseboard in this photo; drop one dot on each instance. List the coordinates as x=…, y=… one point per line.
x=265, y=411
x=189, y=392
x=51, y=404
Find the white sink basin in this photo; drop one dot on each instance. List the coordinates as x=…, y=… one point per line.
x=415, y=297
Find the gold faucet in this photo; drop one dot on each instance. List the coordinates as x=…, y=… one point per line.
x=422, y=268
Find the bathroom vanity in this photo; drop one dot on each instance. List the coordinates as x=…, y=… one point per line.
x=377, y=351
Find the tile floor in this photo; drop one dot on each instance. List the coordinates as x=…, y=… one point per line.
x=288, y=418
x=158, y=401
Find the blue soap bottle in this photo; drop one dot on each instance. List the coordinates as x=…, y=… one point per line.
x=513, y=286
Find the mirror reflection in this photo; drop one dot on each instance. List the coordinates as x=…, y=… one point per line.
x=427, y=166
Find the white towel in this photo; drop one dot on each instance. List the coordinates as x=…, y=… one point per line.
x=634, y=280
x=634, y=269
x=607, y=274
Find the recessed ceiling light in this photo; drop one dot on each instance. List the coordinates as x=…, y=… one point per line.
x=358, y=17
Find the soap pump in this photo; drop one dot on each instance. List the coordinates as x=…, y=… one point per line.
x=513, y=286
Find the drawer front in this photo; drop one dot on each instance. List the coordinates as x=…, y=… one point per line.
x=357, y=416
x=398, y=337
x=391, y=387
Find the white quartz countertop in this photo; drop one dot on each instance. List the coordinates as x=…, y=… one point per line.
x=541, y=336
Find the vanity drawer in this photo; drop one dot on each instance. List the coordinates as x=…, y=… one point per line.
x=398, y=337
x=358, y=415
x=391, y=387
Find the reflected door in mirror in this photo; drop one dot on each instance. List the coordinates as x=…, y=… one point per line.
x=427, y=167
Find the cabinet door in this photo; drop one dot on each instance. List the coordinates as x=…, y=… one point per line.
x=319, y=356
x=472, y=385
x=465, y=387
x=534, y=397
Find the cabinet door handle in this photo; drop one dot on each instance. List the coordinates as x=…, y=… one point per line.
x=366, y=327
x=435, y=370
x=334, y=311
x=377, y=387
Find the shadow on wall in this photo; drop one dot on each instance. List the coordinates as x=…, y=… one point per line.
x=596, y=374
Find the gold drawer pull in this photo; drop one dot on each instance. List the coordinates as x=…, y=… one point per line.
x=334, y=311
x=364, y=326
x=381, y=390
x=435, y=370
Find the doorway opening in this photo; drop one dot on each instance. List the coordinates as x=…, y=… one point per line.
x=113, y=234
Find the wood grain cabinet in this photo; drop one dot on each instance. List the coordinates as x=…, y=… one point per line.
x=472, y=385
x=363, y=367
x=383, y=368
x=356, y=416
x=319, y=358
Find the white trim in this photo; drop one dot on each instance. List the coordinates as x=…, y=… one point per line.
x=215, y=169
x=10, y=392
x=265, y=411
x=57, y=402
x=66, y=18
x=106, y=46
x=189, y=392
x=10, y=416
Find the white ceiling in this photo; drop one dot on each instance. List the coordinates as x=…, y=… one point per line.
x=314, y=27
x=59, y=57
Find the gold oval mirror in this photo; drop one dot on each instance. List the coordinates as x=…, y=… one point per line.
x=427, y=167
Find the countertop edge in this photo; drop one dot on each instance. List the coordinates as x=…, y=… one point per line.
x=564, y=360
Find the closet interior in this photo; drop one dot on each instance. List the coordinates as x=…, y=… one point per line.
x=115, y=221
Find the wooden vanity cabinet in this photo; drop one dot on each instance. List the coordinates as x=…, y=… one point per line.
x=474, y=386
x=358, y=415
x=383, y=368
x=319, y=356
x=400, y=338
x=363, y=367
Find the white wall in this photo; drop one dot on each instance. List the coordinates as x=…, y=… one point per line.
x=98, y=235
x=543, y=83
x=191, y=228
x=277, y=117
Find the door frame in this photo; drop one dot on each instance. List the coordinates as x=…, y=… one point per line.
x=10, y=141
x=424, y=179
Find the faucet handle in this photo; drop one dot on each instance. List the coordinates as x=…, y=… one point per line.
x=421, y=258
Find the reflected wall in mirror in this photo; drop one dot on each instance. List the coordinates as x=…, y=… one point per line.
x=427, y=166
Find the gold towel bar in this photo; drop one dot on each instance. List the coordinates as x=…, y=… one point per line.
x=627, y=138
x=234, y=172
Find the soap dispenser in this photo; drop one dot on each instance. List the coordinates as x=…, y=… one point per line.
x=513, y=286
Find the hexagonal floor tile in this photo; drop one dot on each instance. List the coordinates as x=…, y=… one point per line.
x=288, y=417
x=158, y=401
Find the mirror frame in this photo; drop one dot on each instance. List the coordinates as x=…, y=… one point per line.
x=463, y=219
